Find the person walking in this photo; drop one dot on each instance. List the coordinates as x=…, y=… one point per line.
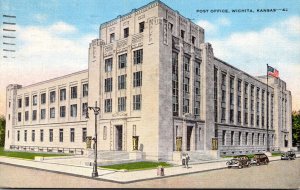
x=187, y=158
x=183, y=160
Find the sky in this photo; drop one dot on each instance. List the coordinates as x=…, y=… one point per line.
x=52, y=36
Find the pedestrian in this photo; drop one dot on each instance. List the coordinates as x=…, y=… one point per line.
x=183, y=160
x=187, y=158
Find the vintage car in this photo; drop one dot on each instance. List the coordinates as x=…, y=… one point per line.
x=289, y=155
x=259, y=159
x=239, y=161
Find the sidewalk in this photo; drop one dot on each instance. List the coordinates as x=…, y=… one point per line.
x=119, y=176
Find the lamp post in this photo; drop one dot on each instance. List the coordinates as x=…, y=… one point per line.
x=96, y=112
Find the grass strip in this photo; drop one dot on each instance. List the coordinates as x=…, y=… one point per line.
x=26, y=155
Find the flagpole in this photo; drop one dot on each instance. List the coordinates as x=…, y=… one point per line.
x=268, y=148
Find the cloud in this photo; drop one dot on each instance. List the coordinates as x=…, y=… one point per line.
x=213, y=28
x=44, y=53
x=40, y=17
x=62, y=27
x=277, y=44
x=208, y=26
x=224, y=21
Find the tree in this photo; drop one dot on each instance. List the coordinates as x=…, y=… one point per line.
x=2, y=130
x=296, y=126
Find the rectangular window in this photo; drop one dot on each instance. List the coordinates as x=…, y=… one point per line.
x=186, y=63
x=224, y=96
x=252, y=91
x=193, y=40
x=33, y=135
x=19, y=103
x=85, y=90
x=258, y=139
x=19, y=117
x=72, y=135
x=252, y=139
x=61, y=135
x=43, y=98
x=246, y=118
x=137, y=79
x=73, y=110
x=62, y=94
x=50, y=135
x=112, y=37
x=84, y=134
x=246, y=88
x=43, y=113
x=197, y=87
x=231, y=98
x=52, y=96
x=223, y=79
x=33, y=115
x=182, y=34
x=122, y=82
x=231, y=116
x=223, y=137
x=239, y=116
x=26, y=115
x=73, y=92
x=240, y=138
x=232, y=137
x=122, y=104
x=84, y=108
x=42, y=135
x=246, y=138
x=252, y=119
x=138, y=56
x=25, y=135
x=231, y=82
x=62, y=111
x=223, y=114
x=186, y=84
x=257, y=93
x=126, y=32
x=197, y=68
x=175, y=83
x=26, y=101
x=239, y=101
x=18, y=136
x=108, y=105
x=122, y=61
x=141, y=27
x=186, y=106
x=239, y=85
x=34, y=100
x=108, y=65
x=52, y=112
x=137, y=102
x=108, y=85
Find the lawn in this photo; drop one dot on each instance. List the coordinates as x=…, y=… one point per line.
x=137, y=166
x=26, y=155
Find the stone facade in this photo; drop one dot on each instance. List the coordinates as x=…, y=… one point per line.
x=153, y=76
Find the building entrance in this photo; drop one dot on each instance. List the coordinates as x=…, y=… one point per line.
x=119, y=137
x=189, y=131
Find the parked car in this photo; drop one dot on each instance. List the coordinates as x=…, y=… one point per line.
x=259, y=159
x=289, y=155
x=239, y=161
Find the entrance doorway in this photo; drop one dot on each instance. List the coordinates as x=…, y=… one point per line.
x=119, y=137
x=189, y=131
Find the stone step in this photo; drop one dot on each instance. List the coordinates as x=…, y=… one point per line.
x=110, y=155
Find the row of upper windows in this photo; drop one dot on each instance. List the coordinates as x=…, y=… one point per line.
x=137, y=103
x=137, y=81
x=52, y=96
x=61, y=135
x=126, y=32
x=122, y=60
x=62, y=112
x=246, y=86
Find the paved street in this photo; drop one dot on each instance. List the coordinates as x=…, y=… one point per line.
x=278, y=174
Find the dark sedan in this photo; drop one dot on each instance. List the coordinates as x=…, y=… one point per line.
x=239, y=161
x=289, y=155
x=259, y=159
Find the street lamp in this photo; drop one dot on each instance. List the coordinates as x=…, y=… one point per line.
x=96, y=112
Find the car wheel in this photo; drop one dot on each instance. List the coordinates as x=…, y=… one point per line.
x=266, y=162
x=257, y=163
x=240, y=166
x=229, y=167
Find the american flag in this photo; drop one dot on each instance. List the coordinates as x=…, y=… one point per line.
x=273, y=72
